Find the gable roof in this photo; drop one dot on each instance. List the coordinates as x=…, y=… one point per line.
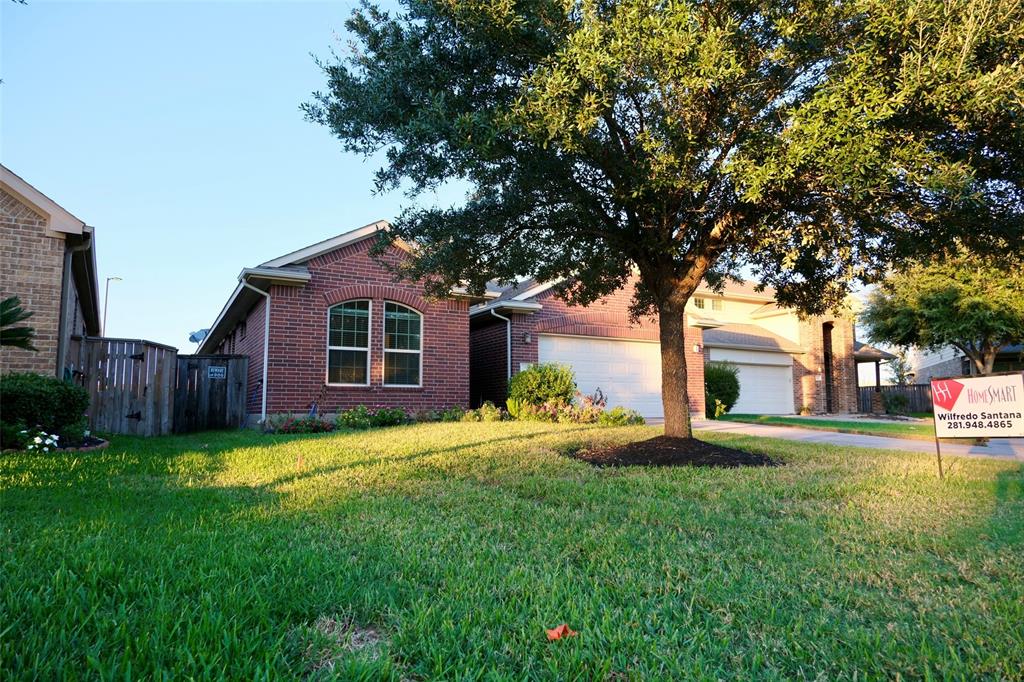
x=290, y=270
x=310, y=252
x=863, y=352
x=59, y=219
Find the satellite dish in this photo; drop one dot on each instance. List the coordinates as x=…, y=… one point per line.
x=197, y=337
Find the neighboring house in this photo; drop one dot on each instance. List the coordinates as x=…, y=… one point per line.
x=49, y=262
x=343, y=332
x=950, y=361
x=785, y=363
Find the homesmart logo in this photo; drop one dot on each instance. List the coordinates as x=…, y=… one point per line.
x=945, y=393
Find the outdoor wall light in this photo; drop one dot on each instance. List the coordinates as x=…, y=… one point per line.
x=697, y=348
x=526, y=337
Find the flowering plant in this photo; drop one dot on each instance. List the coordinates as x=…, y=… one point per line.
x=41, y=441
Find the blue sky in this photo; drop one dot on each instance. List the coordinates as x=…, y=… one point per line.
x=175, y=130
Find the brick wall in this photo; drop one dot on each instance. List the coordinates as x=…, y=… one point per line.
x=808, y=374
x=297, y=367
x=32, y=269
x=247, y=339
x=488, y=364
x=608, y=317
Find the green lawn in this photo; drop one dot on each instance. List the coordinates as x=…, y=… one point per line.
x=894, y=429
x=220, y=555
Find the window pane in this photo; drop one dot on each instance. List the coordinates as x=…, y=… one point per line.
x=401, y=327
x=350, y=325
x=346, y=366
x=698, y=302
x=402, y=368
x=716, y=304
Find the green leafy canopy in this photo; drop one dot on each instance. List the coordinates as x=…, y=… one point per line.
x=812, y=141
x=960, y=300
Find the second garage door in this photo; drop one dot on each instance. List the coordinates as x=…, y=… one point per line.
x=627, y=372
x=766, y=380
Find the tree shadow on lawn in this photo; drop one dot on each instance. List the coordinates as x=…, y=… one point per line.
x=469, y=553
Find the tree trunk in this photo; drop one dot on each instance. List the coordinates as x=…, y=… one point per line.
x=674, y=396
x=989, y=361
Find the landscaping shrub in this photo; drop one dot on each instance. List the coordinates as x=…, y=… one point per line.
x=425, y=416
x=540, y=384
x=721, y=382
x=620, y=416
x=291, y=424
x=357, y=418
x=389, y=416
x=452, y=414
x=895, y=403
x=32, y=402
x=487, y=412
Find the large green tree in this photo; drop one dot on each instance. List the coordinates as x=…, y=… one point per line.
x=812, y=141
x=964, y=300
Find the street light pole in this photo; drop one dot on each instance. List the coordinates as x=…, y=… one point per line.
x=106, y=299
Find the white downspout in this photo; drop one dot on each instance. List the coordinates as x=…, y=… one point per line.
x=266, y=348
x=508, y=341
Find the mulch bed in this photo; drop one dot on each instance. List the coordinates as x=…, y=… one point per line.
x=666, y=451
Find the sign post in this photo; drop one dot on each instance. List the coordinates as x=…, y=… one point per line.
x=978, y=407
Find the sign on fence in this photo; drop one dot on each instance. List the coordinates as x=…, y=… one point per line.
x=979, y=407
x=216, y=372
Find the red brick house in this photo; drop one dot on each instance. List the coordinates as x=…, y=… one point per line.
x=48, y=262
x=329, y=324
x=785, y=363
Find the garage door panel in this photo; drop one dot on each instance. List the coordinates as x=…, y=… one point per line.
x=627, y=372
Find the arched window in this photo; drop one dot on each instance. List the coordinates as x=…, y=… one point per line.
x=403, y=334
x=348, y=344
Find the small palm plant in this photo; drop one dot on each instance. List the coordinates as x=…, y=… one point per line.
x=11, y=313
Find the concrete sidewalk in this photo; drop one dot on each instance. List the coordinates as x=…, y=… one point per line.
x=1002, y=448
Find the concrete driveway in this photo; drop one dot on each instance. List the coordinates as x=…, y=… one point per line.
x=1002, y=448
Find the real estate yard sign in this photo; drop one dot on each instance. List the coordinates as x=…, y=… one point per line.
x=979, y=407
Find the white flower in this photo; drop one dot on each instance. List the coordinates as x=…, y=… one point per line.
x=38, y=440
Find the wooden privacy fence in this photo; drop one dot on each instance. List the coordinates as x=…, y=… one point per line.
x=143, y=388
x=919, y=396
x=130, y=384
x=210, y=393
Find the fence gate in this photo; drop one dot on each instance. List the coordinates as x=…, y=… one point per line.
x=131, y=385
x=210, y=392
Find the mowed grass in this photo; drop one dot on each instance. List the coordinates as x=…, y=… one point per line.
x=217, y=555
x=894, y=429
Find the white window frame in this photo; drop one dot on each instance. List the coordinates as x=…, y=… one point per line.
x=386, y=350
x=698, y=303
x=369, y=343
x=717, y=304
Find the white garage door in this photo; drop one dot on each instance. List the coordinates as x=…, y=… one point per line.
x=627, y=372
x=766, y=380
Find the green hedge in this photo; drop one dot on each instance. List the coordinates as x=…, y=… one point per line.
x=34, y=402
x=545, y=384
x=721, y=382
